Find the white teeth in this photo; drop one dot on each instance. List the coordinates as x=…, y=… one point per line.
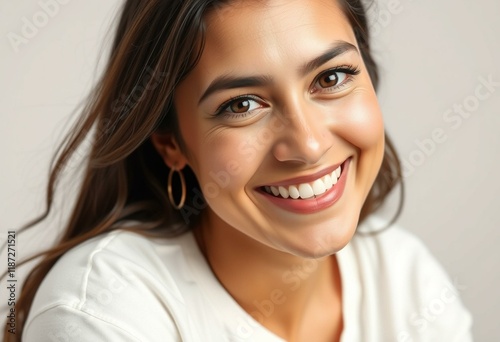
x=337, y=172
x=318, y=187
x=284, y=192
x=294, y=192
x=306, y=190
x=328, y=181
x=334, y=178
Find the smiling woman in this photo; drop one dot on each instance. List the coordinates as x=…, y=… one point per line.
x=308, y=73
x=226, y=204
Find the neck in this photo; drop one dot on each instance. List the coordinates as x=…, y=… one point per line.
x=281, y=291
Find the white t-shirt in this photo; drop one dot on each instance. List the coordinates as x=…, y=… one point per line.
x=122, y=286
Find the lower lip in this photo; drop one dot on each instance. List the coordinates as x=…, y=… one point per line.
x=314, y=204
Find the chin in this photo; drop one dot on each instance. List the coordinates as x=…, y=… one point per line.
x=325, y=239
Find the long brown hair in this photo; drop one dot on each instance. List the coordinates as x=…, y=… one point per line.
x=157, y=43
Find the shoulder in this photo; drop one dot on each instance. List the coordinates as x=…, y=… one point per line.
x=410, y=281
x=100, y=287
x=394, y=246
x=395, y=250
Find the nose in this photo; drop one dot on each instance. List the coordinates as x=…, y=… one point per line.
x=306, y=137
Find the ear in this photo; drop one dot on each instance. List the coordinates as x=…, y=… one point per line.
x=168, y=148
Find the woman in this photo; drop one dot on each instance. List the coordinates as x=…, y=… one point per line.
x=238, y=147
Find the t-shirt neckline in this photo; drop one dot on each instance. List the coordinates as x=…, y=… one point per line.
x=240, y=323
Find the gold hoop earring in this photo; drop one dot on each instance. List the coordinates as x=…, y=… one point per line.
x=170, y=192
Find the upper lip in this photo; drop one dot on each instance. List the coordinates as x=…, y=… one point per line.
x=308, y=178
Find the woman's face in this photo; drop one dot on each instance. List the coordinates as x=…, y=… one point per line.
x=278, y=101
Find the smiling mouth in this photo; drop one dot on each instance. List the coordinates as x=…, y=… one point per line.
x=304, y=191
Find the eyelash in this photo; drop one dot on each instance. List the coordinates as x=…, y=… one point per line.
x=348, y=69
x=222, y=108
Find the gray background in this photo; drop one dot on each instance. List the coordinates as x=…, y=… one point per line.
x=432, y=55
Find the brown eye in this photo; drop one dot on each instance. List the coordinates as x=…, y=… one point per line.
x=329, y=79
x=333, y=79
x=240, y=106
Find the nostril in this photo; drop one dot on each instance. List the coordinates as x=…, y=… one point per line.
x=303, y=142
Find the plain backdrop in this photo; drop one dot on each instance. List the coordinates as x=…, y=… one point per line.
x=433, y=56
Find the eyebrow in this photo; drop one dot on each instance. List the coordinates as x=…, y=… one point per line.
x=224, y=82
x=338, y=48
x=231, y=82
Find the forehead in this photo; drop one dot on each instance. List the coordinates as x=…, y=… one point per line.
x=266, y=27
x=267, y=36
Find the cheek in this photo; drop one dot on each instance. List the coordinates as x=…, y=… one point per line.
x=360, y=121
x=223, y=160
